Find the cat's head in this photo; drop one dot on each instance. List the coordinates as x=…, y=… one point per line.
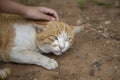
x=55, y=36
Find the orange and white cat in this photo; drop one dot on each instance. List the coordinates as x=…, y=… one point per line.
x=24, y=41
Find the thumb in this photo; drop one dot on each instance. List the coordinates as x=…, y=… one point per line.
x=46, y=17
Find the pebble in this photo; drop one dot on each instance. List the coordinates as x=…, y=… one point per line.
x=87, y=18
x=117, y=68
x=35, y=79
x=101, y=26
x=78, y=22
x=107, y=41
x=98, y=79
x=107, y=22
x=105, y=34
x=97, y=64
x=91, y=42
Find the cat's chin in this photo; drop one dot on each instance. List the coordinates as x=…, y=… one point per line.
x=58, y=53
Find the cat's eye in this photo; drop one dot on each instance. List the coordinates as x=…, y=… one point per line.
x=68, y=39
x=54, y=37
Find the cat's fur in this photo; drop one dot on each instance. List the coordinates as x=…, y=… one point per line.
x=24, y=41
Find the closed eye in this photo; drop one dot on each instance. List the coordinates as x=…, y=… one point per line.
x=68, y=39
x=53, y=37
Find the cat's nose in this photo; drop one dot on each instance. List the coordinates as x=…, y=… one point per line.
x=61, y=48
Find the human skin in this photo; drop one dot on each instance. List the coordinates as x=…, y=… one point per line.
x=31, y=12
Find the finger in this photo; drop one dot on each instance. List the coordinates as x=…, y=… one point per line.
x=52, y=12
x=46, y=17
x=49, y=11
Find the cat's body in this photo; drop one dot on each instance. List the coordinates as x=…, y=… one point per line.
x=23, y=41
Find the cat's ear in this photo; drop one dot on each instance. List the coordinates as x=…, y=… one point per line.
x=39, y=27
x=77, y=29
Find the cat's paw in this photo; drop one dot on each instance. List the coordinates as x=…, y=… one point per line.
x=50, y=64
x=4, y=73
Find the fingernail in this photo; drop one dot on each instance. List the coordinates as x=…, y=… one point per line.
x=52, y=19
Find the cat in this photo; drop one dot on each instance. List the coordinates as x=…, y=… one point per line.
x=25, y=41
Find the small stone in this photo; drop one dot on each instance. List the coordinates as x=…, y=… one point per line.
x=87, y=18
x=96, y=64
x=116, y=67
x=105, y=34
x=91, y=42
x=98, y=79
x=107, y=22
x=99, y=31
x=35, y=79
x=79, y=22
x=107, y=41
x=105, y=29
x=101, y=26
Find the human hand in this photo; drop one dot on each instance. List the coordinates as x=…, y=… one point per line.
x=41, y=13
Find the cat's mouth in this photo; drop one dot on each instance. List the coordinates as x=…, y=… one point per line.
x=48, y=51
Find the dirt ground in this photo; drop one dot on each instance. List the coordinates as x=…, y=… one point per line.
x=93, y=56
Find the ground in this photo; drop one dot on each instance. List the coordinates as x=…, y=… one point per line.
x=95, y=55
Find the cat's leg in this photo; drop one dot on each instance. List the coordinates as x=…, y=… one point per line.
x=31, y=57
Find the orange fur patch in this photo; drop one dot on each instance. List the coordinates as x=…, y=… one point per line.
x=6, y=38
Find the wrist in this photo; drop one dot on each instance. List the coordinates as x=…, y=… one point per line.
x=23, y=11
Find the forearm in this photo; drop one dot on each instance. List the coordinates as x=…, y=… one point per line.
x=37, y=13
x=11, y=7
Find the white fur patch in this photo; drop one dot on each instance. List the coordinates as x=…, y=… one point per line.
x=25, y=37
x=63, y=41
x=62, y=44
